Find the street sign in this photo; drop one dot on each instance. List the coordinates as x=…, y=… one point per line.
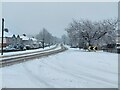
x=92, y=48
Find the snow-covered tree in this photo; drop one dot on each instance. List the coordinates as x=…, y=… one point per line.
x=65, y=39
x=86, y=33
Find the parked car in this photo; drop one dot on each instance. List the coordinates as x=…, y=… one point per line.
x=14, y=48
x=10, y=48
x=28, y=47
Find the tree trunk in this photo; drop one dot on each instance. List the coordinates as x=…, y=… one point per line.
x=89, y=43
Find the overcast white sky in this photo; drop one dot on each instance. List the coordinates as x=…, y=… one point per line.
x=31, y=17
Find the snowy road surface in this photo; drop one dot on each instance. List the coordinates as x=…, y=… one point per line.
x=70, y=69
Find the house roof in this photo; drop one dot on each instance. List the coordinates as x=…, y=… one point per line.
x=34, y=39
x=7, y=34
x=24, y=37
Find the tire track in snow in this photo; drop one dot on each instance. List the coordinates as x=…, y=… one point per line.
x=84, y=76
x=36, y=78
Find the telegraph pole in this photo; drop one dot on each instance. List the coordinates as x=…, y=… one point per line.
x=2, y=36
x=3, y=29
x=43, y=39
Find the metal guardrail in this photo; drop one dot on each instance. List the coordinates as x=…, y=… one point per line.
x=11, y=61
x=28, y=52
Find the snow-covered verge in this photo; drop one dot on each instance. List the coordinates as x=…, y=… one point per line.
x=26, y=51
x=70, y=69
x=43, y=51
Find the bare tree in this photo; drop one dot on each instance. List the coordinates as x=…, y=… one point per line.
x=46, y=37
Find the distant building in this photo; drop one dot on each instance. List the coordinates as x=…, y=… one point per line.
x=19, y=40
x=7, y=39
x=35, y=43
x=29, y=42
x=25, y=40
x=16, y=41
x=10, y=39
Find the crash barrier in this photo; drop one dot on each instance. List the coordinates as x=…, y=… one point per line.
x=30, y=52
x=92, y=48
x=20, y=59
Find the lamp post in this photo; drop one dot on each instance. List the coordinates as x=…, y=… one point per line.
x=3, y=29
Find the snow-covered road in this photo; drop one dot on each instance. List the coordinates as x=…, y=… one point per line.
x=70, y=69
